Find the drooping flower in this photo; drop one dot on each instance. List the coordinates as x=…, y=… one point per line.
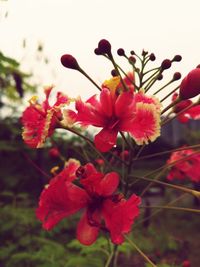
x=184, y=169
x=190, y=113
x=78, y=187
x=190, y=85
x=39, y=120
x=134, y=113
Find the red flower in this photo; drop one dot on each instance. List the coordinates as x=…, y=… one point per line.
x=190, y=113
x=39, y=120
x=190, y=85
x=186, y=263
x=136, y=114
x=188, y=168
x=96, y=193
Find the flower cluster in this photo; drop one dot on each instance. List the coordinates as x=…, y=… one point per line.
x=122, y=108
x=187, y=163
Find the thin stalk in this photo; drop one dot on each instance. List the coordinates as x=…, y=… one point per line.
x=90, y=79
x=182, y=111
x=174, y=90
x=89, y=142
x=171, y=105
x=159, y=210
x=151, y=83
x=151, y=76
x=139, y=251
x=164, y=86
x=172, y=208
x=181, y=188
x=166, y=152
x=150, y=184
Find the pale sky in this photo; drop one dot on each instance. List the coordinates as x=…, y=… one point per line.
x=76, y=26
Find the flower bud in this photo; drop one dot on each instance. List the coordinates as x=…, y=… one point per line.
x=177, y=58
x=176, y=76
x=68, y=61
x=132, y=52
x=166, y=64
x=160, y=77
x=121, y=52
x=132, y=59
x=144, y=53
x=190, y=85
x=114, y=73
x=104, y=47
x=152, y=57
x=97, y=52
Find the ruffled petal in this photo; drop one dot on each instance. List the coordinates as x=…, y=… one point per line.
x=86, y=233
x=119, y=216
x=105, y=140
x=146, y=125
x=61, y=198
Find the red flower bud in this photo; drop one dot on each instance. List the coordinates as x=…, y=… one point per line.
x=176, y=76
x=132, y=59
x=104, y=47
x=166, y=64
x=121, y=52
x=190, y=85
x=68, y=61
x=177, y=58
x=152, y=57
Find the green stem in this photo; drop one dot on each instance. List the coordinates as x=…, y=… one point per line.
x=159, y=210
x=139, y=251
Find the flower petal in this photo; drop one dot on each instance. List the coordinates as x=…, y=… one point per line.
x=86, y=233
x=105, y=140
x=61, y=198
x=108, y=184
x=119, y=216
x=146, y=125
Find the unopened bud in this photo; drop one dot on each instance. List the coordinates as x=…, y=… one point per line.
x=97, y=52
x=114, y=73
x=121, y=52
x=152, y=57
x=177, y=58
x=68, y=61
x=132, y=59
x=166, y=64
x=104, y=47
x=190, y=85
x=176, y=76
x=160, y=76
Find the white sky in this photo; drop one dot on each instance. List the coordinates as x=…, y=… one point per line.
x=75, y=27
